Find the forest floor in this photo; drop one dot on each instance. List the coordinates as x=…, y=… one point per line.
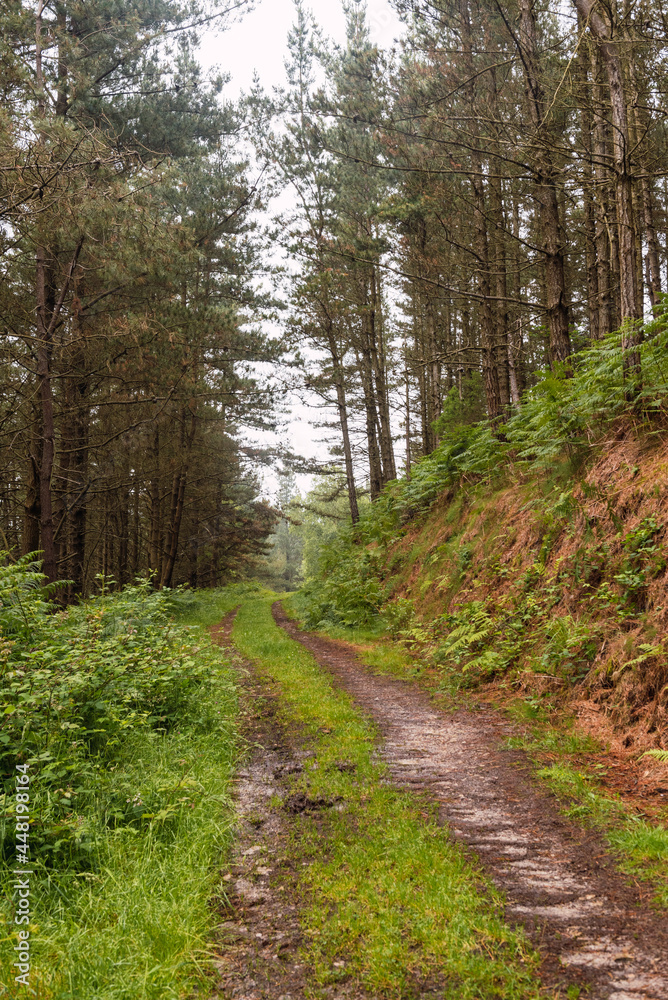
x=290, y=930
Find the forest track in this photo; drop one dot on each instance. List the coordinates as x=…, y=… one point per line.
x=592, y=926
x=259, y=937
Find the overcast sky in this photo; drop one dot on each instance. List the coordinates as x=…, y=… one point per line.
x=258, y=40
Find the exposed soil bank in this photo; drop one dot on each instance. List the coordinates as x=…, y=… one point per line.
x=593, y=928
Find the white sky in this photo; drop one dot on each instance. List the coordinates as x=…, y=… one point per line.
x=257, y=42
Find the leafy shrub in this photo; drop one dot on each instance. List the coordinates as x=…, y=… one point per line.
x=643, y=558
x=76, y=687
x=22, y=596
x=398, y=616
x=570, y=647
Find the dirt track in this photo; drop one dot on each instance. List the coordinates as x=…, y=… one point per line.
x=259, y=934
x=593, y=928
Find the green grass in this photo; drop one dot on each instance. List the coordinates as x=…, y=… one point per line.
x=374, y=647
x=136, y=925
x=207, y=607
x=641, y=847
x=554, y=741
x=391, y=896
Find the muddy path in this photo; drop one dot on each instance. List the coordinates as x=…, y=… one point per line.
x=259, y=937
x=593, y=927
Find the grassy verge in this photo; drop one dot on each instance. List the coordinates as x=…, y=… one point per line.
x=394, y=902
x=131, y=917
x=641, y=847
x=374, y=645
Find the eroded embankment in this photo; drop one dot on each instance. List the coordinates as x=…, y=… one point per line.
x=593, y=928
x=553, y=582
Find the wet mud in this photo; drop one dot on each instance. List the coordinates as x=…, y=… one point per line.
x=593, y=926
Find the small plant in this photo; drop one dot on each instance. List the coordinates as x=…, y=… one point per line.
x=644, y=559
x=570, y=647
x=398, y=616
x=472, y=627
x=464, y=559
x=660, y=755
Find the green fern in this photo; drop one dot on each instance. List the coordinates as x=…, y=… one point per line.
x=474, y=627
x=660, y=755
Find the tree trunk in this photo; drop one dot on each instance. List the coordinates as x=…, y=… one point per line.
x=586, y=132
x=374, y=334
x=32, y=514
x=653, y=266
x=44, y=350
x=481, y=242
x=631, y=306
x=603, y=204
x=155, y=536
x=174, y=528
x=605, y=244
x=80, y=485
x=545, y=181
x=499, y=268
x=371, y=420
x=339, y=381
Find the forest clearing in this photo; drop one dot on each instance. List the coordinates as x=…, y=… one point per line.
x=334, y=500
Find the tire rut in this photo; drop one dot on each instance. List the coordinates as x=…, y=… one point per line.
x=591, y=926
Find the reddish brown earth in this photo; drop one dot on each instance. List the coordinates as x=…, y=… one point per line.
x=592, y=926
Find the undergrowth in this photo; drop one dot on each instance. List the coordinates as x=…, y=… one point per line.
x=126, y=723
x=494, y=611
x=392, y=899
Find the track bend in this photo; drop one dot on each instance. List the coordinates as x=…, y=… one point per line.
x=592, y=927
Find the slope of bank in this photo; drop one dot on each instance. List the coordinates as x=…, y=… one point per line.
x=554, y=583
x=534, y=552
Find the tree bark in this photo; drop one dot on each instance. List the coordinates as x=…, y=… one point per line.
x=31, y=511
x=545, y=177
x=44, y=350
x=177, y=502
x=341, y=403
x=631, y=305
x=373, y=319
x=603, y=202
x=155, y=536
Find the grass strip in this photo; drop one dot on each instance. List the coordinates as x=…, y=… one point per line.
x=393, y=900
x=640, y=847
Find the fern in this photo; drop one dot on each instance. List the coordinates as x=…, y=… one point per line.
x=475, y=626
x=660, y=755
